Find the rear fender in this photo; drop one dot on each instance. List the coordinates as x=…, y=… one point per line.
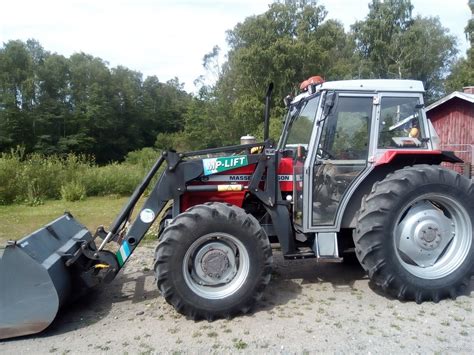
x=387, y=163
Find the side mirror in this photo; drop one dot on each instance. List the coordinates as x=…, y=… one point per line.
x=328, y=104
x=287, y=100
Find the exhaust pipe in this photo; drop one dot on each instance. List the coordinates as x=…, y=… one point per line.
x=266, y=123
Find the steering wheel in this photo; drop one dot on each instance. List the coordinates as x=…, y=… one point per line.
x=323, y=154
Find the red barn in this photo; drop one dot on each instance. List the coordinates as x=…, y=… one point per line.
x=453, y=118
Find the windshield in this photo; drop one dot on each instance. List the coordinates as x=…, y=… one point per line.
x=299, y=123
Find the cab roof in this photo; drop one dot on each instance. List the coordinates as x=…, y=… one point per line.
x=368, y=85
x=392, y=85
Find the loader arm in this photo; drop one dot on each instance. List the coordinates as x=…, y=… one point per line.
x=171, y=184
x=174, y=182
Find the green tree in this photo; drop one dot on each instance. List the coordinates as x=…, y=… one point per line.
x=285, y=45
x=392, y=43
x=380, y=36
x=56, y=105
x=17, y=95
x=428, y=51
x=52, y=114
x=462, y=71
x=124, y=127
x=91, y=108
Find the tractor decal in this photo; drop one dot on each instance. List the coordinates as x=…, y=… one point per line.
x=123, y=253
x=217, y=165
x=245, y=177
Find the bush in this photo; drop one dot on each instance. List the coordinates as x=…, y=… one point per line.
x=174, y=141
x=111, y=179
x=34, y=178
x=144, y=158
x=10, y=167
x=40, y=178
x=33, y=194
x=73, y=191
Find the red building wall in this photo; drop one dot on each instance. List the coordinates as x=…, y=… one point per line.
x=454, y=121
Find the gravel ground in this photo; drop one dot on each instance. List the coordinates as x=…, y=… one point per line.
x=307, y=308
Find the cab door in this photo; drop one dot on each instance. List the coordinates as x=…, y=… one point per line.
x=298, y=140
x=340, y=156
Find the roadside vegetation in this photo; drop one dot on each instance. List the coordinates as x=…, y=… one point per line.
x=32, y=179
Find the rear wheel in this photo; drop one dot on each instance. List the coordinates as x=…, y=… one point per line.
x=213, y=261
x=414, y=233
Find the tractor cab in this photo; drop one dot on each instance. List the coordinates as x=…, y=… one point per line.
x=338, y=132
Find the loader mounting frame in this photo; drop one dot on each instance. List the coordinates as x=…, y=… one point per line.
x=173, y=183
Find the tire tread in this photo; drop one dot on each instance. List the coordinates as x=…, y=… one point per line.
x=373, y=217
x=179, y=229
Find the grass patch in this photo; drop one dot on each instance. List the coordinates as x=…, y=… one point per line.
x=395, y=326
x=20, y=220
x=196, y=334
x=240, y=344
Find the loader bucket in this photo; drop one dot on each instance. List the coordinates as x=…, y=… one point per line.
x=34, y=280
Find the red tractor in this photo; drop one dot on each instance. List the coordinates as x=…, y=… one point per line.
x=357, y=168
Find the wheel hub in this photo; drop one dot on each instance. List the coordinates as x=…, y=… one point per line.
x=427, y=234
x=215, y=264
x=424, y=233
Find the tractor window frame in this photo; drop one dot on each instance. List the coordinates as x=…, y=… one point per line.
x=423, y=134
x=295, y=116
x=339, y=146
x=307, y=225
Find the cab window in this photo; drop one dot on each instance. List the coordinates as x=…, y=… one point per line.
x=400, y=124
x=302, y=126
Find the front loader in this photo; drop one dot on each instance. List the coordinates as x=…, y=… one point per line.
x=356, y=169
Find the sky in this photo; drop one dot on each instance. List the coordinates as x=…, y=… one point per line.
x=168, y=38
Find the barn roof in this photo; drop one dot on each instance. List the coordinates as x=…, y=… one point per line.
x=458, y=94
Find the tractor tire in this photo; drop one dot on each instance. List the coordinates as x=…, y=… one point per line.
x=414, y=233
x=213, y=261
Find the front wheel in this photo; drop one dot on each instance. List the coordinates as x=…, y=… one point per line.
x=213, y=261
x=414, y=233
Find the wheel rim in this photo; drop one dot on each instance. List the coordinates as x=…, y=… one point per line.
x=216, y=265
x=433, y=236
